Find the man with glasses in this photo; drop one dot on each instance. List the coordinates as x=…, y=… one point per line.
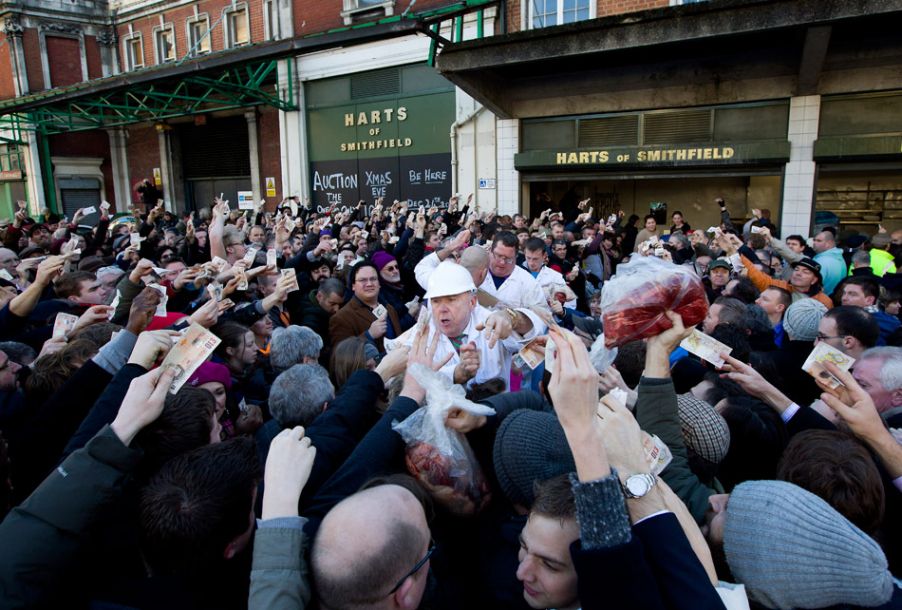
x=373, y=550
x=851, y=330
x=510, y=284
x=365, y=315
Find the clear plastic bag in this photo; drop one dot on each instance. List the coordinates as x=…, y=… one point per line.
x=441, y=459
x=601, y=356
x=633, y=302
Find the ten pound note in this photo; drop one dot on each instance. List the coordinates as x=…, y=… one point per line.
x=189, y=352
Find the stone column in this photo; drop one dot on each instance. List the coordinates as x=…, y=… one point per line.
x=254, y=147
x=119, y=162
x=800, y=172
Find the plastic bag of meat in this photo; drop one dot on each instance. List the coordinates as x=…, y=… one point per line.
x=633, y=302
x=440, y=458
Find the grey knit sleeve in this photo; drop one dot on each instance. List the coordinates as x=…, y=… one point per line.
x=601, y=512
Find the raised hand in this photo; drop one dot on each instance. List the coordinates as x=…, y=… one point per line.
x=143, y=403
x=288, y=467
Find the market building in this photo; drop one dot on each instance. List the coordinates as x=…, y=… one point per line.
x=789, y=105
x=252, y=99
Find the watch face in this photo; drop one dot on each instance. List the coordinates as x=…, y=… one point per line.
x=637, y=486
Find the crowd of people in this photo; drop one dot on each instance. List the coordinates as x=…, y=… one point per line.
x=406, y=407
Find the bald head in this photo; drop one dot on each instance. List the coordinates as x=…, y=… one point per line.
x=475, y=260
x=368, y=542
x=9, y=260
x=824, y=241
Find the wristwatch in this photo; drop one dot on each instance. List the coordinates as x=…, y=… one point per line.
x=637, y=485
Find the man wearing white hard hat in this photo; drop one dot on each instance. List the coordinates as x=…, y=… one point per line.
x=480, y=342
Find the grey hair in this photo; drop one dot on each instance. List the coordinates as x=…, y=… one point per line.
x=299, y=394
x=289, y=346
x=678, y=237
x=861, y=257
x=332, y=286
x=890, y=369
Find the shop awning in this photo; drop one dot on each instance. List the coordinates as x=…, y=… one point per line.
x=729, y=50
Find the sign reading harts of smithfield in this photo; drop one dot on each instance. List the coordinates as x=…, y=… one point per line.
x=395, y=149
x=768, y=151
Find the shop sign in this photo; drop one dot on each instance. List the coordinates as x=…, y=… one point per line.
x=11, y=174
x=420, y=179
x=374, y=121
x=655, y=155
x=622, y=157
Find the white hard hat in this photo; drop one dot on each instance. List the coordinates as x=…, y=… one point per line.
x=449, y=279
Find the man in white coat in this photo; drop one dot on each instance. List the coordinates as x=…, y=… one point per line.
x=506, y=281
x=535, y=264
x=481, y=342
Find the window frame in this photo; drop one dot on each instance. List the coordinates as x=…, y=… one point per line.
x=158, y=51
x=351, y=8
x=270, y=20
x=559, y=14
x=233, y=11
x=128, y=42
x=207, y=37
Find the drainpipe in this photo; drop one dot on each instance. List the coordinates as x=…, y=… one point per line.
x=454, y=161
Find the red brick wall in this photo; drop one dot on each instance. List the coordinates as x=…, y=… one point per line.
x=315, y=16
x=270, y=152
x=143, y=151
x=92, y=53
x=87, y=144
x=7, y=86
x=64, y=60
x=513, y=16
x=33, y=59
x=178, y=18
x=604, y=8
x=617, y=7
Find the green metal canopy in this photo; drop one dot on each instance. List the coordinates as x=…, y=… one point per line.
x=248, y=84
x=237, y=78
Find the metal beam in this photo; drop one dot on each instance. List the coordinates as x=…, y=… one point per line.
x=817, y=39
x=241, y=86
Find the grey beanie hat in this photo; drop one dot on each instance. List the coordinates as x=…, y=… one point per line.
x=802, y=317
x=530, y=446
x=793, y=550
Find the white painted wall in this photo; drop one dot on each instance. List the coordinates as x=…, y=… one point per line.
x=800, y=173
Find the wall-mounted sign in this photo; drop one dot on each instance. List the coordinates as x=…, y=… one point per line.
x=157, y=176
x=619, y=157
x=270, y=187
x=11, y=174
x=396, y=149
x=245, y=200
x=486, y=183
x=586, y=157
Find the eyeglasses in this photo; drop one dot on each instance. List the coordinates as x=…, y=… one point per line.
x=504, y=259
x=416, y=568
x=823, y=337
